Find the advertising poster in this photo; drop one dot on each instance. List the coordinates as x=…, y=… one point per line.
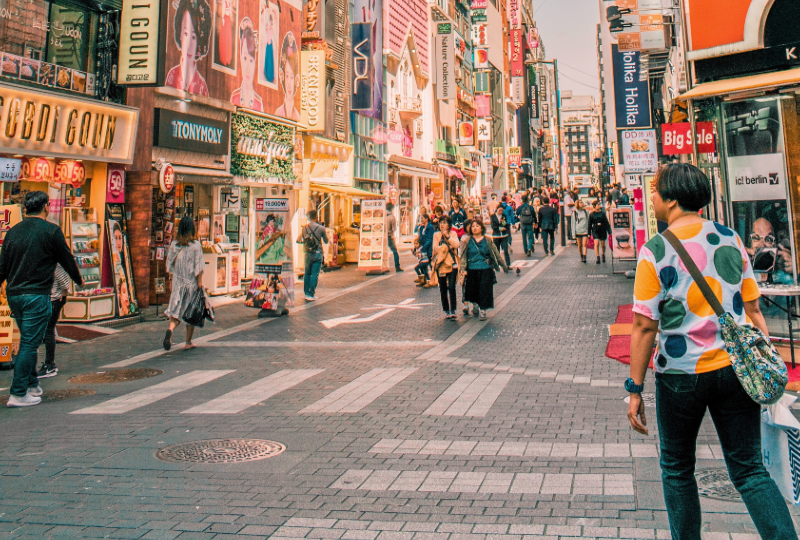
x=764, y=228
x=222, y=272
x=246, y=52
x=649, y=189
x=219, y=228
x=368, y=19
x=272, y=288
x=639, y=219
x=622, y=233
x=757, y=177
x=117, y=227
x=640, y=151
x=272, y=225
x=373, y=234
x=632, y=95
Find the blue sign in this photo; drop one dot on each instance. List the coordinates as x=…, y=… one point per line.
x=632, y=95
x=363, y=69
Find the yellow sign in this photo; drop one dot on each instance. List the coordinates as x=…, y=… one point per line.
x=138, y=42
x=312, y=90
x=649, y=189
x=39, y=123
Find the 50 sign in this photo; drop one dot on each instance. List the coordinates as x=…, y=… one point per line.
x=69, y=172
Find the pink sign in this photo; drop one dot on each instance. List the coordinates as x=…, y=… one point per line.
x=115, y=189
x=639, y=219
x=483, y=105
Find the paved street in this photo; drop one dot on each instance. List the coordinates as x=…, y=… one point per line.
x=397, y=424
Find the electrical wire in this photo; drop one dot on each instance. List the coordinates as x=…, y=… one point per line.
x=577, y=81
x=540, y=6
x=576, y=69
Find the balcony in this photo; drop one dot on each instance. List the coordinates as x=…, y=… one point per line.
x=446, y=151
x=391, y=116
x=409, y=109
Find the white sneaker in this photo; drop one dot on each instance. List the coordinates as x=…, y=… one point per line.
x=310, y=298
x=25, y=401
x=35, y=392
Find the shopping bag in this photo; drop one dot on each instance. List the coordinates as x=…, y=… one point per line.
x=780, y=447
x=195, y=312
x=590, y=242
x=209, y=311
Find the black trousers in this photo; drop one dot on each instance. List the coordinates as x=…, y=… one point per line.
x=502, y=244
x=50, y=333
x=447, y=288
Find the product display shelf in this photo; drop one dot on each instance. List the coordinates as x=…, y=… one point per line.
x=88, y=302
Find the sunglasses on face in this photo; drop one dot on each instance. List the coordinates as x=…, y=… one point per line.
x=768, y=239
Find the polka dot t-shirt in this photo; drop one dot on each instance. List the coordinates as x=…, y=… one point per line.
x=689, y=340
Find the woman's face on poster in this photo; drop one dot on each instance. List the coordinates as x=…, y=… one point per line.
x=248, y=64
x=188, y=38
x=118, y=240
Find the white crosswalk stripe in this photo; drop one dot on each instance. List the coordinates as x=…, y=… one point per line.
x=147, y=396
x=356, y=395
x=422, y=447
x=255, y=393
x=473, y=394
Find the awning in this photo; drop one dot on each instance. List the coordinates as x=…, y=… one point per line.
x=454, y=172
x=764, y=81
x=414, y=171
x=344, y=190
x=198, y=175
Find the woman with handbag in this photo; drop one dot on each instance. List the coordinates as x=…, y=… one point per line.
x=694, y=285
x=599, y=228
x=445, y=265
x=185, y=263
x=479, y=260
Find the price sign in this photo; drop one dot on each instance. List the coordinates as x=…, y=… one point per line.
x=70, y=172
x=115, y=190
x=36, y=170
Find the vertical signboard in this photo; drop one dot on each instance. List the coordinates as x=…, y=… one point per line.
x=513, y=13
x=373, y=234
x=312, y=90
x=445, y=62
x=313, y=20
x=632, y=94
x=371, y=52
x=534, y=93
x=639, y=150
x=622, y=233
x=515, y=57
x=363, y=76
x=639, y=218
x=649, y=188
x=141, y=48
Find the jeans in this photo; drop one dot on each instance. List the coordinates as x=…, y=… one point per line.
x=50, y=333
x=681, y=403
x=447, y=287
x=311, y=277
x=393, y=248
x=552, y=235
x=568, y=225
x=502, y=244
x=32, y=313
x=527, y=238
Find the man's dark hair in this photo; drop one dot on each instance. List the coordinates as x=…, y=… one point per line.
x=494, y=195
x=389, y=207
x=186, y=232
x=445, y=219
x=525, y=199
x=35, y=201
x=312, y=215
x=685, y=184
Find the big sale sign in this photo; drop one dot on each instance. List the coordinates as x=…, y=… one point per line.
x=677, y=138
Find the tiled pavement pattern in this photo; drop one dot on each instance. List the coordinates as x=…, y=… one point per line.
x=95, y=475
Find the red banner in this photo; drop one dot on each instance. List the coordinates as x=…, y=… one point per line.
x=516, y=58
x=677, y=138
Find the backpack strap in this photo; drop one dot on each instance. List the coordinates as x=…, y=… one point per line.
x=697, y=276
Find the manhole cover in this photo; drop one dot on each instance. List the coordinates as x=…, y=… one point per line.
x=716, y=484
x=221, y=451
x=649, y=400
x=115, y=376
x=57, y=395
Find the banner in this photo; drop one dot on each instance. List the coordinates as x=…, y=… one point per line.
x=514, y=157
x=272, y=225
x=272, y=288
x=466, y=134
x=639, y=150
x=370, y=12
x=484, y=129
x=677, y=138
x=117, y=227
x=312, y=90
x=649, y=188
x=632, y=95
x=445, y=65
x=141, y=51
x=480, y=59
x=115, y=188
x=363, y=77
x=622, y=233
x=757, y=178
x=515, y=56
x=640, y=219
x=372, y=242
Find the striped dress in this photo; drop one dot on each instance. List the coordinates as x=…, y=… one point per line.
x=185, y=263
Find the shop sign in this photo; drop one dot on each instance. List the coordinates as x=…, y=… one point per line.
x=481, y=82
x=515, y=57
x=639, y=150
x=649, y=189
x=632, y=94
x=166, y=178
x=514, y=157
x=445, y=65
x=497, y=156
x=466, y=134
x=187, y=132
x=460, y=45
x=272, y=205
x=651, y=33
x=484, y=129
x=757, y=178
x=142, y=43
x=741, y=31
x=37, y=170
x=513, y=13
x=483, y=105
x=313, y=20
x=361, y=37
x=480, y=35
x=69, y=172
x=115, y=189
x=10, y=169
x=677, y=138
x=517, y=90
x=480, y=58
x=479, y=4
x=312, y=89
x=229, y=199
x=46, y=124
x=474, y=160
x=479, y=15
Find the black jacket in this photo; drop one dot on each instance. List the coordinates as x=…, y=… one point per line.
x=499, y=227
x=31, y=250
x=548, y=218
x=599, y=227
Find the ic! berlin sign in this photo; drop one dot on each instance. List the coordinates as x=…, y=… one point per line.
x=757, y=178
x=40, y=123
x=141, y=49
x=677, y=138
x=188, y=132
x=312, y=90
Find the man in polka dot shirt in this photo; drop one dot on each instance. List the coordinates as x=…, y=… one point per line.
x=693, y=369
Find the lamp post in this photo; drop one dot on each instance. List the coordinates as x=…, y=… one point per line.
x=554, y=63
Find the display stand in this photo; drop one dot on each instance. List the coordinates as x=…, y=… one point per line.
x=88, y=302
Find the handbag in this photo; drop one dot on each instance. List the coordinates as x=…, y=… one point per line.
x=195, y=312
x=590, y=242
x=758, y=366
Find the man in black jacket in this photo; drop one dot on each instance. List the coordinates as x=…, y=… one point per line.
x=548, y=223
x=28, y=259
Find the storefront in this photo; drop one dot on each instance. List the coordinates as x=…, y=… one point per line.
x=369, y=146
x=412, y=182
x=66, y=146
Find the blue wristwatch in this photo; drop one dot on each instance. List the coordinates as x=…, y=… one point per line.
x=632, y=387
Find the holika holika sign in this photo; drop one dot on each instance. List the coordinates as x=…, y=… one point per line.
x=261, y=149
x=40, y=123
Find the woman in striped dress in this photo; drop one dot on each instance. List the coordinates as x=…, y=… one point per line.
x=185, y=263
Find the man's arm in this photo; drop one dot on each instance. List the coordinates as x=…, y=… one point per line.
x=324, y=234
x=643, y=337
x=64, y=256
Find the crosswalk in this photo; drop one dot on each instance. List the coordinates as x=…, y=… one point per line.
x=361, y=392
x=473, y=394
